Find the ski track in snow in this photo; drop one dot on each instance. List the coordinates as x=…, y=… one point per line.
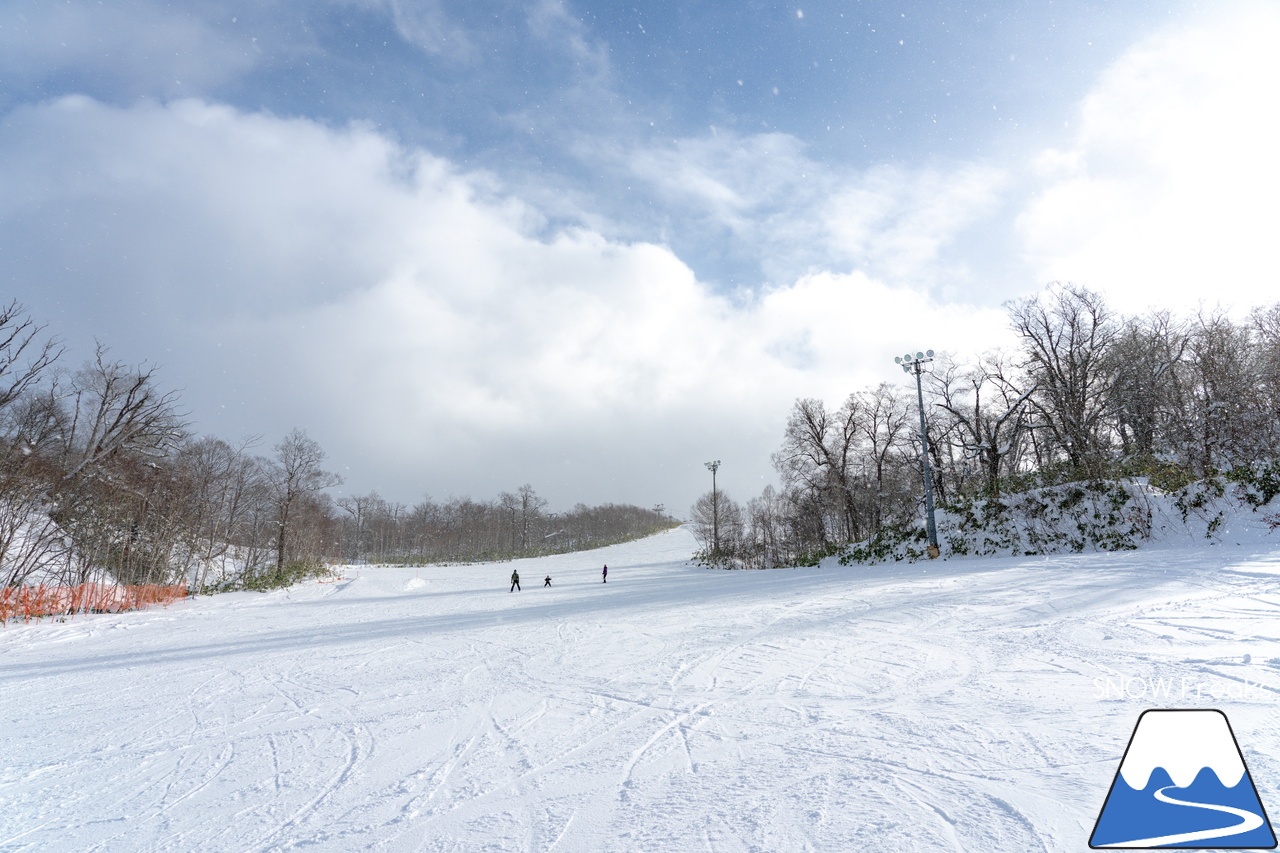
x=947, y=706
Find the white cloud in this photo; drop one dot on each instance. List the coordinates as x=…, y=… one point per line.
x=1166, y=196
x=130, y=47
x=437, y=332
x=904, y=223
x=797, y=214
x=414, y=317
x=426, y=25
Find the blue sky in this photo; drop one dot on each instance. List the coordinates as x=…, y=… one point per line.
x=586, y=245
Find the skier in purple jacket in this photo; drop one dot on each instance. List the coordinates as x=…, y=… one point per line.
x=605, y=575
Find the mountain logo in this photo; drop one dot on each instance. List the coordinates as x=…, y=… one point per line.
x=1183, y=783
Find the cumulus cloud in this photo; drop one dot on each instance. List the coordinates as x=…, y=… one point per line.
x=418, y=319
x=450, y=330
x=1166, y=194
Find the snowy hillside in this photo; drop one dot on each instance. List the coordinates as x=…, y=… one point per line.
x=977, y=704
x=1097, y=515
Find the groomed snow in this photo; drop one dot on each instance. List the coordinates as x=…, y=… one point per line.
x=978, y=705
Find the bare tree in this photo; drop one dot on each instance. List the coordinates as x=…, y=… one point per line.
x=29, y=539
x=1143, y=363
x=226, y=488
x=1067, y=333
x=531, y=507
x=774, y=534
x=884, y=427
x=1228, y=417
x=104, y=439
x=297, y=478
x=384, y=527
x=361, y=509
x=24, y=357
x=989, y=410
x=509, y=507
x=717, y=510
x=113, y=408
x=1265, y=323
x=1266, y=327
x=375, y=527
x=819, y=454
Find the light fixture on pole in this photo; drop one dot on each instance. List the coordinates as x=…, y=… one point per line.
x=915, y=364
x=715, y=509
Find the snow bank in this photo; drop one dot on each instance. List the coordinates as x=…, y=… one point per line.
x=1099, y=515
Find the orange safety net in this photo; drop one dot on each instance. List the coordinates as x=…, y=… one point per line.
x=28, y=602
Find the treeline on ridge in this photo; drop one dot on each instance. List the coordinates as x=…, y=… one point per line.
x=101, y=478
x=464, y=530
x=1087, y=394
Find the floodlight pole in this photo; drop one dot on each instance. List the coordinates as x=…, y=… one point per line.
x=715, y=509
x=910, y=364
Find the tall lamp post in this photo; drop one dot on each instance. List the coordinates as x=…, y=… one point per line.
x=715, y=509
x=915, y=364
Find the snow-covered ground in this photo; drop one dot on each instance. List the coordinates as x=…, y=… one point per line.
x=975, y=704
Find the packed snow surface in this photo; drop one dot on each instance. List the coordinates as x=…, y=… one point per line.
x=968, y=704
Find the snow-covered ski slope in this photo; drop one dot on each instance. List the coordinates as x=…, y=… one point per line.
x=978, y=705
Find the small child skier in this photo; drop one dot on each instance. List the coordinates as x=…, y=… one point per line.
x=548, y=581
